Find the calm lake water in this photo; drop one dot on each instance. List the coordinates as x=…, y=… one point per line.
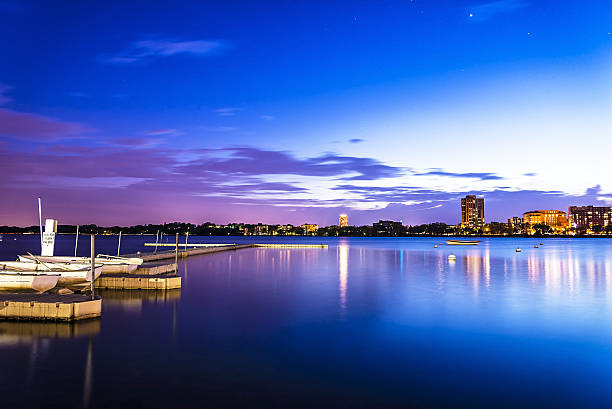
x=375, y=322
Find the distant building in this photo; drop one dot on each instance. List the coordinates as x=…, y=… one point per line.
x=261, y=229
x=553, y=218
x=310, y=229
x=343, y=220
x=472, y=212
x=388, y=228
x=586, y=217
x=515, y=222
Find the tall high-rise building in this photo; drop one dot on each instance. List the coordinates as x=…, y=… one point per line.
x=586, y=217
x=343, y=220
x=472, y=212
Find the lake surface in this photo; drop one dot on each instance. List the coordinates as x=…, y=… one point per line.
x=372, y=322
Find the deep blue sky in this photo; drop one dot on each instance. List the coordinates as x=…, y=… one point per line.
x=286, y=112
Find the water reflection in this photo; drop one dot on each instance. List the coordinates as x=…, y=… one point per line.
x=343, y=259
x=24, y=332
x=134, y=300
x=88, y=378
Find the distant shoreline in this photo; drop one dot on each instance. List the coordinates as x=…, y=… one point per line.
x=445, y=237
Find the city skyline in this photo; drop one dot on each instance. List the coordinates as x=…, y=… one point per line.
x=264, y=113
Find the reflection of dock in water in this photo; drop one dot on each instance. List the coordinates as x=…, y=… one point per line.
x=118, y=297
x=135, y=299
x=24, y=332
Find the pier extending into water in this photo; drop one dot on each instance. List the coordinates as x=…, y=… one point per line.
x=156, y=273
x=49, y=307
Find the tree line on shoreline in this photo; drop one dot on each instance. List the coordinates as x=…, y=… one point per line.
x=392, y=229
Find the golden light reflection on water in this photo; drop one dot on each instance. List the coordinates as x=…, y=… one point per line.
x=477, y=265
x=343, y=253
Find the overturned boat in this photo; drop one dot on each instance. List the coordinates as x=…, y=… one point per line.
x=74, y=276
x=110, y=264
x=10, y=281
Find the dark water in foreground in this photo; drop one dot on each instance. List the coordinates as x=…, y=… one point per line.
x=364, y=323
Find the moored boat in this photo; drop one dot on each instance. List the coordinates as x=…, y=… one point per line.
x=69, y=275
x=26, y=281
x=110, y=264
x=462, y=242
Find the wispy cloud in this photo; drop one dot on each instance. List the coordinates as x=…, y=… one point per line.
x=162, y=132
x=139, y=142
x=3, y=90
x=256, y=162
x=146, y=50
x=468, y=175
x=22, y=125
x=267, y=117
x=230, y=111
x=485, y=11
x=356, y=140
x=220, y=128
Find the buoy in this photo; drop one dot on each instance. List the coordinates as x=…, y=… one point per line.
x=536, y=246
x=518, y=250
x=435, y=246
x=452, y=257
x=541, y=244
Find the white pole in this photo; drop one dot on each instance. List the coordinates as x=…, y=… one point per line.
x=119, y=245
x=93, y=265
x=156, y=238
x=186, y=237
x=76, y=242
x=40, y=223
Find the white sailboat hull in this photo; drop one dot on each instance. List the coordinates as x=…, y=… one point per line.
x=70, y=275
x=32, y=282
x=110, y=265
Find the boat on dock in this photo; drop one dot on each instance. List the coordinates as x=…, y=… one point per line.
x=27, y=282
x=462, y=242
x=110, y=264
x=74, y=276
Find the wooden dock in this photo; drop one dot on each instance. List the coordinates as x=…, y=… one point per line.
x=138, y=282
x=292, y=246
x=156, y=272
x=170, y=254
x=51, y=307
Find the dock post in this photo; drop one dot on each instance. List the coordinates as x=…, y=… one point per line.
x=93, y=265
x=76, y=242
x=176, y=254
x=119, y=245
x=40, y=224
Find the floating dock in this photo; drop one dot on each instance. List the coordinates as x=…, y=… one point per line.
x=292, y=246
x=156, y=273
x=138, y=282
x=165, y=255
x=50, y=307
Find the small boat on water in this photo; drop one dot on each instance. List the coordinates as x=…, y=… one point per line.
x=462, y=242
x=110, y=264
x=74, y=276
x=26, y=281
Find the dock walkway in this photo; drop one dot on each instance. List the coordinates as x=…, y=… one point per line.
x=47, y=306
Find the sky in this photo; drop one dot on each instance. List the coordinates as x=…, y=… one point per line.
x=123, y=113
